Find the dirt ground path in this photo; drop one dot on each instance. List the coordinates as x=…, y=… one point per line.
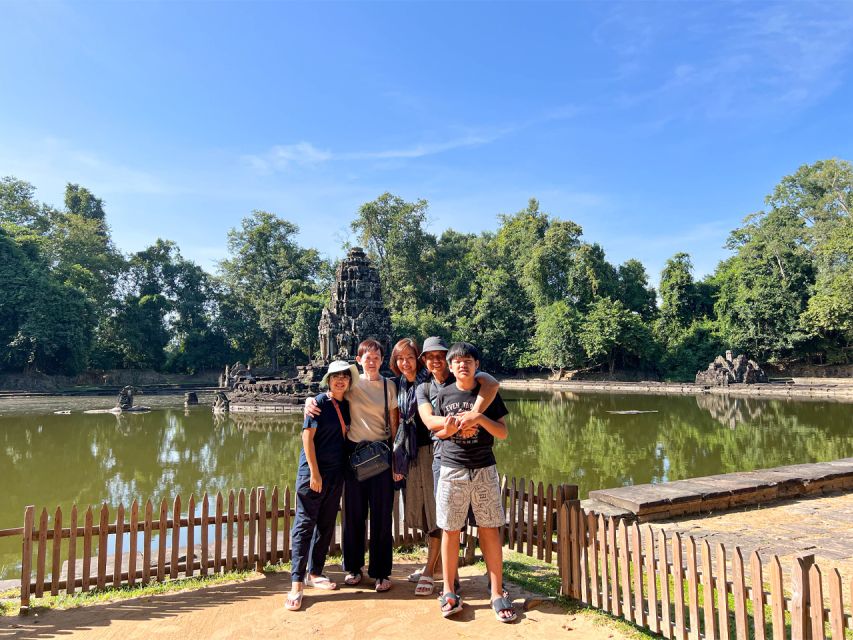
x=254, y=610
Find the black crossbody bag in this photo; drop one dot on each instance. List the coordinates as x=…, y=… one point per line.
x=372, y=458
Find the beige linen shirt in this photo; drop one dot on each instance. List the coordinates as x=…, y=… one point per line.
x=367, y=409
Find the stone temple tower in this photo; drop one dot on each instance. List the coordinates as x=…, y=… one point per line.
x=355, y=311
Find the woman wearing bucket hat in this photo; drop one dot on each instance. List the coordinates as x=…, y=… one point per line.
x=319, y=482
x=373, y=407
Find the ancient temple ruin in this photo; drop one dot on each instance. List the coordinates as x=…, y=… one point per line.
x=355, y=312
x=725, y=371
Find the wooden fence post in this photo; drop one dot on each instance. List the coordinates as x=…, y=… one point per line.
x=261, y=558
x=800, y=622
x=27, y=558
x=563, y=559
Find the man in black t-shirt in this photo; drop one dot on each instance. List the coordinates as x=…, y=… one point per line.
x=469, y=477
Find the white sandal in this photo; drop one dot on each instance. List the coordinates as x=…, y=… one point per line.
x=320, y=582
x=426, y=586
x=294, y=601
x=382, y=585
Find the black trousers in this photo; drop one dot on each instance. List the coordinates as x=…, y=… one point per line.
x=314, y=524
x=374, y=496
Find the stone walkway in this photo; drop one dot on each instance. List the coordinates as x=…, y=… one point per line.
x=725, y=491
x=822, y=525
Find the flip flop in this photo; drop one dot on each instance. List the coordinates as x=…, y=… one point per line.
x=352, y=579
x=320, y=582
x=415, y=576
x=503, y=604
x=452, y=599
x=294, y=601
x=382, y=585
x=426, y=585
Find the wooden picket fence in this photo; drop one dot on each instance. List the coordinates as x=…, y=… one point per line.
x=92, y=548
x=531, y=512
x=683, y=589
x=674, y=586
x=240, y=530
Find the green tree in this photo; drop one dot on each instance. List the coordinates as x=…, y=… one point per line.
x=266, y=268
x=519, y=234
x=678, y=293
x=305, y=309
x=765, y=286
x=15, y=284
x=610, y=333
x=548, y=270
x=689, y=350
x=830, y=310
x=457, y=260
x=500, y=321
x=19, y=207
x=821, y=196
x=43, y=323
x=81, y=202
x=83, y=256
x=392, y=231
x=557, y=339
x=55, y=335
x=634, y=290
x=591, y=277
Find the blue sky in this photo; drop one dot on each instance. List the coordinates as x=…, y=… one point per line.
x=655, y=126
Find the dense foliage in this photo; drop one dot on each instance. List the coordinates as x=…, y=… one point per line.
x=532, y=293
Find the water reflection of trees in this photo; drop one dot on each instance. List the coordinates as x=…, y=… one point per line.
x=87, y=459
x=571, y=438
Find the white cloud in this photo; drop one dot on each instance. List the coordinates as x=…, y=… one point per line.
x=765, y=59
x=305, y=154
x=284, y=156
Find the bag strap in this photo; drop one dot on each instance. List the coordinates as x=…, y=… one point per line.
x=340, y=417
x=387, y=418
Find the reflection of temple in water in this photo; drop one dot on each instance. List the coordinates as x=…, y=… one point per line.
x=264, y=423
x=730, y=411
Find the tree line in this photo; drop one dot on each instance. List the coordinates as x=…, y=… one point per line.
x=531, y=294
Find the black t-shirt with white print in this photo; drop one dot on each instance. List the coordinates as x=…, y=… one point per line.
x=474, y=452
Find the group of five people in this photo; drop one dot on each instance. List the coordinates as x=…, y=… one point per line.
x=451, y=413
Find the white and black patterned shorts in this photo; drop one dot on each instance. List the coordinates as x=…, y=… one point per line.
x=458, y=489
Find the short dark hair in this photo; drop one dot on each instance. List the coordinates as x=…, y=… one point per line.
x=370, y=344
x=461, y=349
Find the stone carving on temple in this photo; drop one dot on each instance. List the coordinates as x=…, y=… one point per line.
x=356, y=310
x=727, y=370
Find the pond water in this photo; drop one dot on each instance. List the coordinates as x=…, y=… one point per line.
x=58, y=460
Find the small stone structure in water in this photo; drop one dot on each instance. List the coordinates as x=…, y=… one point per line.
x=355, y=312
x=723, y=372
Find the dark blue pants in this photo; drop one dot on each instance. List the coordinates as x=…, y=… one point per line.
x=314, y=524
x=376, y=496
